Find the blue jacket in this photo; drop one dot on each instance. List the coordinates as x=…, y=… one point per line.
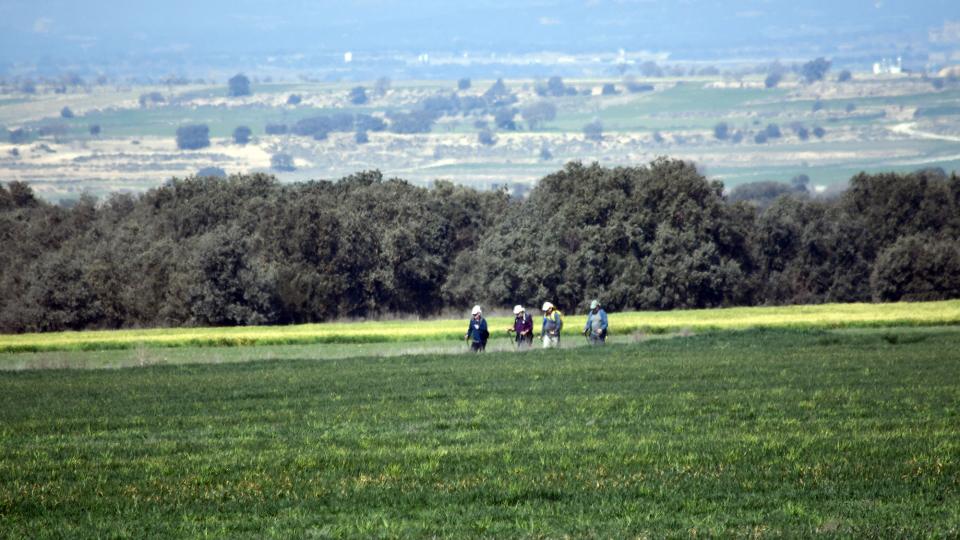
x=601, y=315
x=477, y=330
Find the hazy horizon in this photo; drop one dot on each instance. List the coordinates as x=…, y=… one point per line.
x=46, y=36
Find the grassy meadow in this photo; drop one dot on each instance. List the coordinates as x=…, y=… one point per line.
x=764, y=432
x=627, y=323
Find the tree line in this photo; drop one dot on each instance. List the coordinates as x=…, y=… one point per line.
x=250, y=250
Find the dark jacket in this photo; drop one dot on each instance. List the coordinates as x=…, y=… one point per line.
x=523, y=324
x=477, y=330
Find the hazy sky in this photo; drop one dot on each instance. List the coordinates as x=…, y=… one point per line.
x=34, y=30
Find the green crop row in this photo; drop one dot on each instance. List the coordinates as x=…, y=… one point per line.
x=818, y=316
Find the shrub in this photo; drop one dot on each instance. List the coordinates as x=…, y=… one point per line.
x=486, y=138
x=241, y=135
x=917, y=268
x=282, y=162
x=215, y=172
x=239, y=85
x=193, y=136
x=593, y=131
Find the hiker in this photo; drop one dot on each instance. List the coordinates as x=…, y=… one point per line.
x=477, y=333
x=596, y=327
x=552, y=324
x=523, y=327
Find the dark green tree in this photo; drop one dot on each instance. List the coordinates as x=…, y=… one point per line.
x=815, y=70
x=593, y=131
x=241, y=135
x=917, y=268
x=358, y=95
x=193, y=137
x=238, y=86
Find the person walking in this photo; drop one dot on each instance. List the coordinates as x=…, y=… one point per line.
x=596, y=327
x=552, y=324
x=522, y=327
x=477, y=333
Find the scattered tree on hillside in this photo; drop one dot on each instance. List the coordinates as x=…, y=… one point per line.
x=539, y=112
x=18, y=136
x=721, y=131
x=498, y=95
x=800, y=182
x=545, y=153
x=239, y=85
x=503, y=118
x=819, y=132
x=94, y=129
x=844, y=76
x=241, y=135
x=772, y=80
x=193, y=136
x=151, y=98
x=463, y=84
x=358, y=95
x=294, y=99
x=486, y=138
x=650, y=69
x=554, y=87
x=634, y=87
x=66, y=112
x=801, y=132
x=815, y=70
x=381, y=86
x=593, y=131
x=411, y=122
x=282, y=162
x=366, y=122
x=609, y=89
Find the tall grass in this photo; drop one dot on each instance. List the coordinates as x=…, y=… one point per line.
x=818, y=316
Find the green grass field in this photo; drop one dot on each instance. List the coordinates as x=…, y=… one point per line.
x=851, y=433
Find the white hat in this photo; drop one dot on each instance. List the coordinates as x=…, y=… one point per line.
x=517, y=309
x=547, y=306
x=476, y=309
x=594, y=304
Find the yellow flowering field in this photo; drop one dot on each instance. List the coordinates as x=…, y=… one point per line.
x=811, y=316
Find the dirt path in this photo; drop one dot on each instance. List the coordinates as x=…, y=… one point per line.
x=910, y=129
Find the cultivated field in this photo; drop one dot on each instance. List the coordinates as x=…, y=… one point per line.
x=755, y=433
x=824, y=316
x=871, y=123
